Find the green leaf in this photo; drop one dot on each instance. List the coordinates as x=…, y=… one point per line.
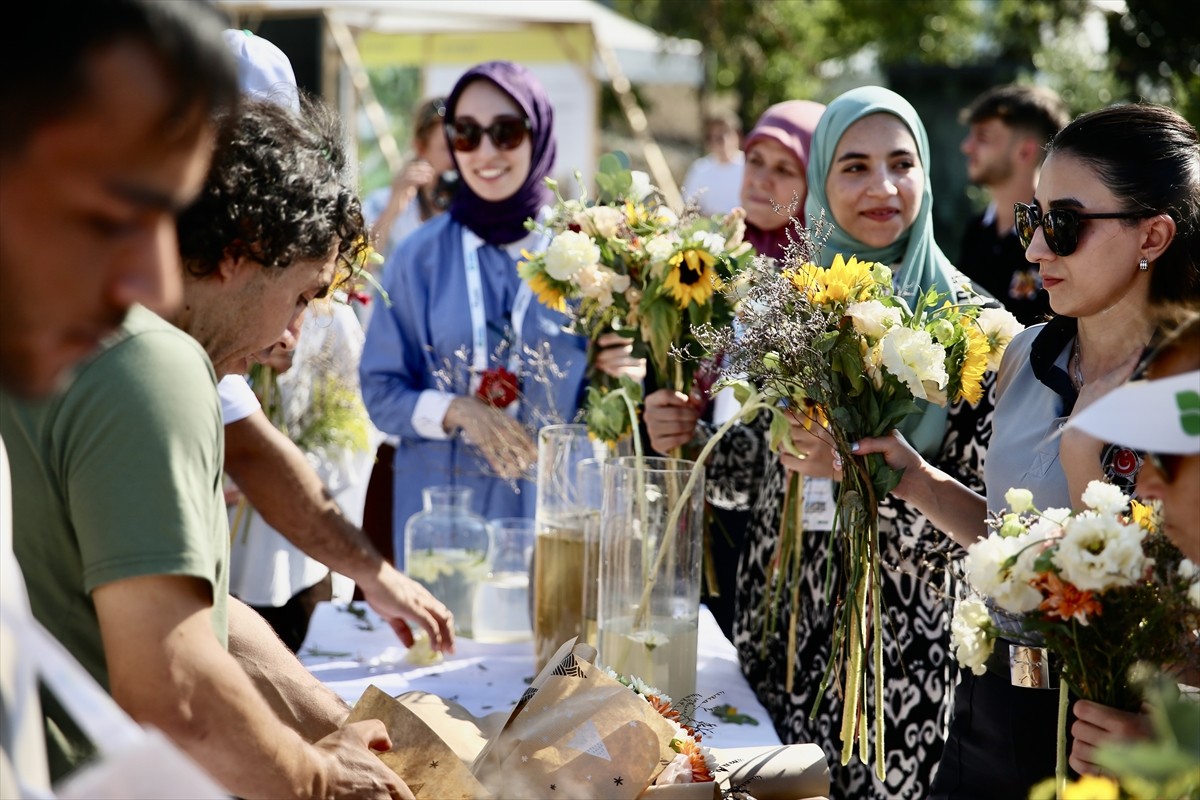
x=1189, y=412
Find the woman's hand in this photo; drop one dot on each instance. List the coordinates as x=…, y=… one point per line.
x=417, y=174
x=614, y=356
x=812, y=453
x=670, y=419
x=898, y=454
x=1095, y=725
x=500, y=438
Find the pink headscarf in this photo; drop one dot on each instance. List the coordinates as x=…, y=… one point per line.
x=791, y=124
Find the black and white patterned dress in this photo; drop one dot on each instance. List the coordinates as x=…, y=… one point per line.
x=917, y=594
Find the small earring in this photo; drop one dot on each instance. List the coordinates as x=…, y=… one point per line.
x=1143, y=265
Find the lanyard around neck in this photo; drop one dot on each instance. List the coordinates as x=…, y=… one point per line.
x=480, y=354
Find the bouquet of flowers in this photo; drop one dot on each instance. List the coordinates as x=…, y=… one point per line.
x=624, y=262
x=838, y=346
x=1100, y=587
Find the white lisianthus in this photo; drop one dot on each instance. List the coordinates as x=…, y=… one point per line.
x=970, y=638
x=999, y=326
x=666, y=217
x=1050, y=524
x=660, y=249
x=1019, y=500
x=872, y=318
x=569, y=252
x=1001, y=567
x=913, y=357
x=604, y=221
x=641, y=186
x=1189, y=572
x=711, y=241
x=1097, y=552
x=873, y=361
x=1104, y=498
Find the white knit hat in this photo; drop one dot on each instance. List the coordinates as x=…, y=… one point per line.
x=263, y=69
x=1161, y=416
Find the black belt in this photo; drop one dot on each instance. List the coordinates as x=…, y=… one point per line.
x=1023, y=665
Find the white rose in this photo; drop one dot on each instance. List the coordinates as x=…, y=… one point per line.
x=1104, y=498
x=969, y=639
x=569, y=252
x=872, y=318
x=913, y=357
x=1000, y=326
x=603, y=221
x=1097, y=552
x=641, y=187
x=1019, y=500
x=711, y=241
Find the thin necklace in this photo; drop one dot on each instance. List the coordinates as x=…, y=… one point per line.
x=1077, y=372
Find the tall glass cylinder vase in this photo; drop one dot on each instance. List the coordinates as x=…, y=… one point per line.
x=651, y=547
x=589, y=476
x=558, y=552
x=445, y=549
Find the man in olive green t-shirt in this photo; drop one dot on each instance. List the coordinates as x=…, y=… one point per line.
x=119, y=518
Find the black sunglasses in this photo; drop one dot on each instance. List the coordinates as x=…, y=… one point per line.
x=506, y=132
x=1061, y=225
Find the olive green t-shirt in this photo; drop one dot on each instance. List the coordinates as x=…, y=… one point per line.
x=117, y=477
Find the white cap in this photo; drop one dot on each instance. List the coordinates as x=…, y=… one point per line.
x=264, y=71
x=1161, y=416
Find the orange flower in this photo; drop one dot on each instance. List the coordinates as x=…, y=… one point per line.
x=1065, y=601
x=662, y=707
x=700, y=773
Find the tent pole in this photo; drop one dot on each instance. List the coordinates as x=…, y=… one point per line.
x=636, y=117
x=344, y=40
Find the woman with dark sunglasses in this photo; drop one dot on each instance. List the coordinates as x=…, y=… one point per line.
x=1115, y=228
x=460, y=314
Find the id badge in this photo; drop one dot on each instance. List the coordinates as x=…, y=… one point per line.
x=818, y=504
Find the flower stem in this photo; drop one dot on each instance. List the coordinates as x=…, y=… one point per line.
x=1060, y=761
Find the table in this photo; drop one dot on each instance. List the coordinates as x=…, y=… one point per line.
x=350, y=648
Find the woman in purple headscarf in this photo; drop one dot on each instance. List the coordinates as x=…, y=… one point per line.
x=436, y=362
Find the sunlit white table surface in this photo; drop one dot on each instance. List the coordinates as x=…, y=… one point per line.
x=350, y=651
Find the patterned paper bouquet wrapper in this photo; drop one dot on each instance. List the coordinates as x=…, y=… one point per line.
x=576, y=733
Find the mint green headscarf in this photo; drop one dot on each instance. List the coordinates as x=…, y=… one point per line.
x=922, y=264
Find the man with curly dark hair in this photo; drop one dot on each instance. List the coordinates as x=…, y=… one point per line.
x=118, y=500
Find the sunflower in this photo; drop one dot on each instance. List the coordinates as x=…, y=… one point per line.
x=975, y=361
x=550, y=292
x=849, y=281
x=692, y=277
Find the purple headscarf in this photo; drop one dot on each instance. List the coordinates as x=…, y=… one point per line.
x=791, y=124
x=503, y=221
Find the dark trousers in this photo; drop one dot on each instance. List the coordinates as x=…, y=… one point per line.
x=1002, y=740
x=290, y=620
x=377, y=508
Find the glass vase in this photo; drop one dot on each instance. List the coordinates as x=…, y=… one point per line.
x=502, y=601
x=651, y=548
x=445, y=549
x=558, y=552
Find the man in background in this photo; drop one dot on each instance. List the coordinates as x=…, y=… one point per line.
x=714, y=181
x=1009, y=127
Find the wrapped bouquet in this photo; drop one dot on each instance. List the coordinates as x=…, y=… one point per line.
x=624, y=262
x=579, y=731
x=840, y=349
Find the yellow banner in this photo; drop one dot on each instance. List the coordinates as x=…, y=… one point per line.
x=539, y=43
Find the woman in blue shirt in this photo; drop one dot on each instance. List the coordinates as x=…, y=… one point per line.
x=459, y=311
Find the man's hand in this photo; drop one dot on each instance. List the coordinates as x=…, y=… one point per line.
x=614, y=356
x=353, y=771
x=401, y=600
x=670, y=419
x=1096, y=725
x=500, y=438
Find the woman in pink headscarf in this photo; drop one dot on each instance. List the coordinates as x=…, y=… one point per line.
x=773, y=180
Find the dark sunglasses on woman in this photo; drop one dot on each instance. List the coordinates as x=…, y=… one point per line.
x=506, y=132
x=1061, y=225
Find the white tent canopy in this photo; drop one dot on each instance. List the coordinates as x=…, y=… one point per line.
x=645, y=55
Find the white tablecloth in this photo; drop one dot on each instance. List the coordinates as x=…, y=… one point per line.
x=348, y=653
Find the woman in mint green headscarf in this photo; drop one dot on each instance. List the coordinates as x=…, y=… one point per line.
x=868, y=178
